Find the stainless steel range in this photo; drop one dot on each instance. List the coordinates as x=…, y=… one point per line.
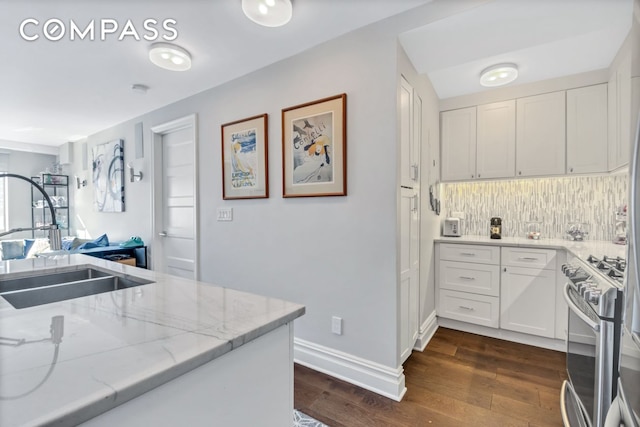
x=594, y=296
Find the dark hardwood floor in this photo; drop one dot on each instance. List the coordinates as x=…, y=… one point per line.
x=460, y=379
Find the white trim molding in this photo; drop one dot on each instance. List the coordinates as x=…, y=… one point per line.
x=427, y=329
x=369, y=375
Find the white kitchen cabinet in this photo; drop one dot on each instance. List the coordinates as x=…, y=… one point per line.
x=620, y=120
x=496, y=140
x=528, y=294
x=540, y=135
x=409, y=272
x=410, y=142
x=466, y=307
x=468, y=283
x=587, y=129
x=458, y=144
x=479, y=254
x=410, y=134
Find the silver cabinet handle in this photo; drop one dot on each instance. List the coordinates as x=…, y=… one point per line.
x=467, y=278
x=467, y=254
x=527, y=258
x=162, y=234
x=466, y=308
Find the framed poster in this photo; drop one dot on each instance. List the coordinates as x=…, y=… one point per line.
x=244, y=159
x=314, y=148
x=108, y=176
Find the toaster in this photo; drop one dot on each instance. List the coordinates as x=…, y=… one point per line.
x=451, y=227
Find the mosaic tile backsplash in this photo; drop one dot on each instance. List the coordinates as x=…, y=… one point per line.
x=555, y=202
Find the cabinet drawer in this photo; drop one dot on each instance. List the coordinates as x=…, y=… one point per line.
x=470, y=253
x=476, y=309
x=526, y=257
x=469, y=277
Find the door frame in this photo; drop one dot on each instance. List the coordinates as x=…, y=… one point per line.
x=157, y=132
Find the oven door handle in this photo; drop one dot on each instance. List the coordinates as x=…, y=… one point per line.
x=573, y=307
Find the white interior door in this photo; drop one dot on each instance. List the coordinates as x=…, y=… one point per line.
x=175, y=194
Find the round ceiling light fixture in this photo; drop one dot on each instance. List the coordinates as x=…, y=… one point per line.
x=170, y=57
x=498, y=75
x=270, y=13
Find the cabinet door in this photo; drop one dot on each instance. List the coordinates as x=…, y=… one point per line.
x=409, y=271
x=621, y=134
x=496, y=140
x=587, y=129
x=527, y=301
x=540, y=135
x=406, y=134
x=458, y=144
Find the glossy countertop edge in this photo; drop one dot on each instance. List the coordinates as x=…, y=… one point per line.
x=580, y=249
x=74, y=412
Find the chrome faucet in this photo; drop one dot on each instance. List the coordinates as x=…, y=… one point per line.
x=55, y=238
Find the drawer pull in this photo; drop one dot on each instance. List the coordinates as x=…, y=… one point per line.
x=467, y=278
x=528, y=258
x=466, y=308
x=467, y=253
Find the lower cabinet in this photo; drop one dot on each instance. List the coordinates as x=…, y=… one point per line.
x=528, y=301
x=512, y=289
x=473, y=308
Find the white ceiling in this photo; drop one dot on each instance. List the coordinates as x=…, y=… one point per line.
x=545, y=38
x=54, y=92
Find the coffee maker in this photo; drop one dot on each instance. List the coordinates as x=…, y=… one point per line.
x=496, y=228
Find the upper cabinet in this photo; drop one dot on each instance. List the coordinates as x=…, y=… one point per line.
x=587, y=129
x=540, y=140
x=620, y=114
x=556, y=133
x=496, y=140
x=410, y=118
x=458, y=136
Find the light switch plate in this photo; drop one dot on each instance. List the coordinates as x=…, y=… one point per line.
x=225, y=214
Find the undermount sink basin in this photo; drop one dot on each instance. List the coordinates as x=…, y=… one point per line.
x=44, y=288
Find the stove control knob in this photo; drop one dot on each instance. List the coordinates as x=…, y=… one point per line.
x=593, y=296
x=564, y=268
x=584, y=287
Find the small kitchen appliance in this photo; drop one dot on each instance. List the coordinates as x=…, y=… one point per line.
x=496, y=228
x=451, y=227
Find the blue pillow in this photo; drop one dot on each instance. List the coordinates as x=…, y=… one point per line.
x=99, y=242
x=27, y=245
x=12, y=249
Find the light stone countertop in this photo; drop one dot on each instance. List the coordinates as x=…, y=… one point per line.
x=581, y=250
x=118, y=345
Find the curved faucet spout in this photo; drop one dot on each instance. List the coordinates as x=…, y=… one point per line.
x=55, y=241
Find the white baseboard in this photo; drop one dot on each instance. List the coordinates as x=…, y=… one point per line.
x=364, y=373
x=427, y=329
x=549, y=343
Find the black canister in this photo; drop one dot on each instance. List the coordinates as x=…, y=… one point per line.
x=496, y=228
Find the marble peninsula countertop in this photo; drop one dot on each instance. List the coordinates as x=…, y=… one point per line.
x=581, y=249
x=117, y=345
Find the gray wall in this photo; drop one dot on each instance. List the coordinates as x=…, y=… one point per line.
x=336, y=255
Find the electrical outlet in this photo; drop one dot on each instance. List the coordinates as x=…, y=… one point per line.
x=225, y=214
x=336, y=325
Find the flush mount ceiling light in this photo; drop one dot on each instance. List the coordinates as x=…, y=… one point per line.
x=498, y=75
x=270, y=13
x=170, y=57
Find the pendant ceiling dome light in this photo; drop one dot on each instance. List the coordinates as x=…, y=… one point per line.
x=498, y=75
x=270, y=13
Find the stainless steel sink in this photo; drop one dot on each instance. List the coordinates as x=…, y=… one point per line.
x=38, y=289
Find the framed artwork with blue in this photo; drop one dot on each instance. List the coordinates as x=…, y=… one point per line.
x=108, y=176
